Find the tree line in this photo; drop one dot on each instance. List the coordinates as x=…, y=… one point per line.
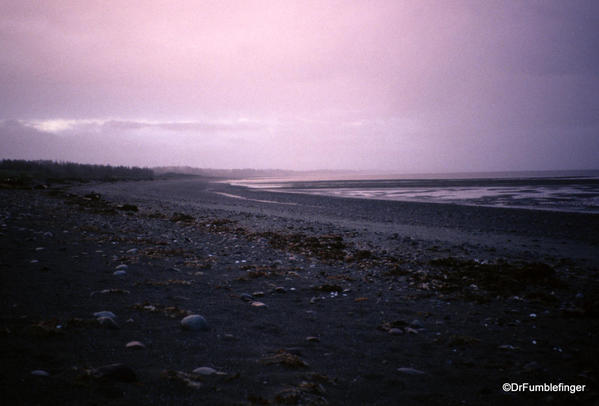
x=52, y=170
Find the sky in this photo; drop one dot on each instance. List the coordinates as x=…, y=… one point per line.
x=405, y=86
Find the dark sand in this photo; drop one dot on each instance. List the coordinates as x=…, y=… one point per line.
x=471, y=297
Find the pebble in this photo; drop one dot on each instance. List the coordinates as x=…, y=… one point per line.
x=204, y=371
x=246, y=297
x=313, y=339
x=416, y=324
x=194, y=322
x=395, y=331
x=258, y=304
x=280, y=289
x=132, y=251
x=135, y=345
x=105, y=313
x=108, y=322
x=258, y=294
x=410, y=371
x=119, y=273
x=40, y=372
x=122, y=267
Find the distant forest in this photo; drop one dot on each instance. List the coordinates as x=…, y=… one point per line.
x=22, y=171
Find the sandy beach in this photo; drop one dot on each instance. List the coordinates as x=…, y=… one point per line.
x=307, y=300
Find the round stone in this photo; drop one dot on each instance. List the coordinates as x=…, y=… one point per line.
x=135, y=345
x=119, y=273
x=194, y=322
x=204, y=371
x=105, y=313
x=40, y=372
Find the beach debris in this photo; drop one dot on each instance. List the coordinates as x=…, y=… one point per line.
x=410, y=371
x=170, y=311
x=115, y=372
x=329, y=288
x=388, y=325
x=182, y=217
x=165, y=283
x=306, y=393
x=285, y=358
x=135, y=345
x=194, y=322
x=39, y=372
x=191, y=380
x=127, y=207
x=109, y=291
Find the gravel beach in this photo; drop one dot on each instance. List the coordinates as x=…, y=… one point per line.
x=294, y=299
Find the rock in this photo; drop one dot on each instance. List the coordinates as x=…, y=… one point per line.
x=119, y=273
x=108, y=322
x=122, y=267
x=39, y=372
x=312, y=339
x=395, y=331
x=132, y=251
x=410, y=371
x=280, y=289
x=40, y=249
x=115, y=372
x=416, y=324
x=194, y=322
x=105, y=313
x=246, y=297
x=411, y=330
x=258, y=304
x=258, y=294
x=135, y=345
x=204, y=371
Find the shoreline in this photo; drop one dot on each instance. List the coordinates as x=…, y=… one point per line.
x=360, y=297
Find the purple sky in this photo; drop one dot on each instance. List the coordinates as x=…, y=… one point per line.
x=406, y=86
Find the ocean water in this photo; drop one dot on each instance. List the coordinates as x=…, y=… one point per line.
x=572, y=191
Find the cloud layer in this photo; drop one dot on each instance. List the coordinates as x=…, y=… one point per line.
x=407, y=86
